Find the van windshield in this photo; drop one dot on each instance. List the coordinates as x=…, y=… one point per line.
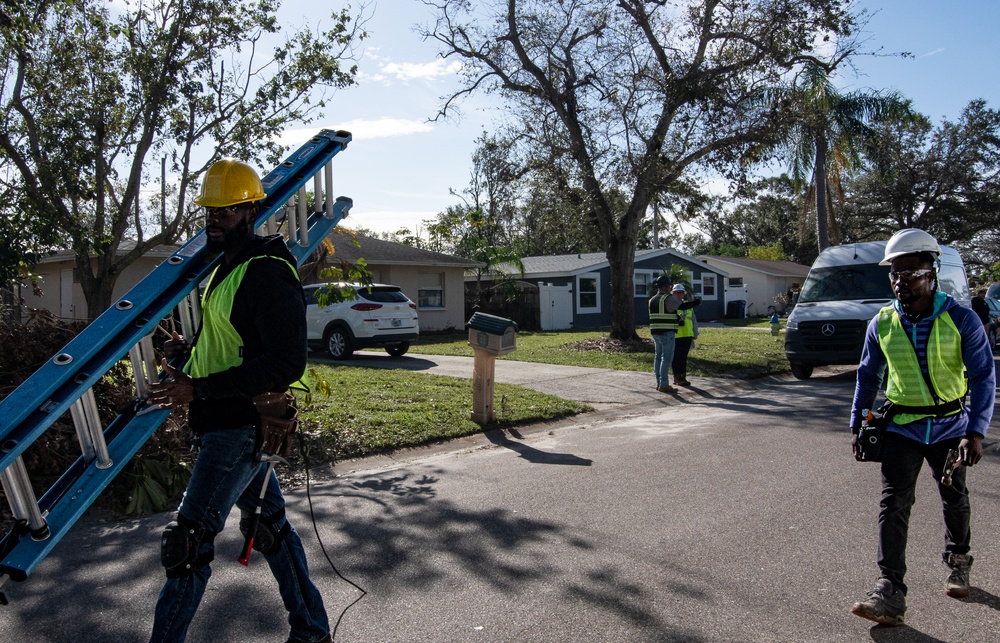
x=865, y=281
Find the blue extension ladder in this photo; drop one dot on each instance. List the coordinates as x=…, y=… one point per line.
x=64, y=383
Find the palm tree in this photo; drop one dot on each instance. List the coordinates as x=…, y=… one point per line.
x=827, y=132
x=499, y=264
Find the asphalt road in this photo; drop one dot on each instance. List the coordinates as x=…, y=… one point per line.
x=726, y=514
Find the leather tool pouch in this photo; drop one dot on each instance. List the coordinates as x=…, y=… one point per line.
x=279, y=420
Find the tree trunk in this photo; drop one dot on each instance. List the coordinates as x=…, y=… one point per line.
x=97, y=291
x=621, y=259
x=819, y=173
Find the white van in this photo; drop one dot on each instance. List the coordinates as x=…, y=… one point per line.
x=845, y=288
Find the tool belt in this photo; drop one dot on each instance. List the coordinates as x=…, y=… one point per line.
x=871, y=438
x=279, y=420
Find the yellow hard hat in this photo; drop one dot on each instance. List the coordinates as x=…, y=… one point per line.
x=229, y=182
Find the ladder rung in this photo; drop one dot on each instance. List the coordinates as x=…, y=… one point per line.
x=21, y=497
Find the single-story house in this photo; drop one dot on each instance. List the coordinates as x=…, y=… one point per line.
x=60, y=293
x=574, y=291
x=758, y=281
x=433, y=280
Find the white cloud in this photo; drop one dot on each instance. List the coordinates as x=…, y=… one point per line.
x=389, y=220
x=405, y=72
x=361, y=128
x=386, y=127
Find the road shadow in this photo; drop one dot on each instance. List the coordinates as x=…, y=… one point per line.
x=369, y=359
x=982, y=597
x=531, y=454
x=901, y=634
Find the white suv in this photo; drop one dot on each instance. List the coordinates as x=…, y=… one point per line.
x=379, y=315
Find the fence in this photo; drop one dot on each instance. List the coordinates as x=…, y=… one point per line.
x=522, y=308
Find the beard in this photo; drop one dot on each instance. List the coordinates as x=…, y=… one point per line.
x=231, y=238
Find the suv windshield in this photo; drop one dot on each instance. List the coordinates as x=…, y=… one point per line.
x=866, y=281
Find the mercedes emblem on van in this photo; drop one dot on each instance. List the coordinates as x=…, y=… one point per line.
x=828, y=329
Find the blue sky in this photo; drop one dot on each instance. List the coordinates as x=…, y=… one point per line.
x=399, y=168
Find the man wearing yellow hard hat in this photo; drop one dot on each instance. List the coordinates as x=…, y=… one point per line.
x=251, y=345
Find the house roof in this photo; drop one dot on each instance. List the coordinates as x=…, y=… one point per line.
x=766, y=266
x=562, y=265
x=157, y=252
x=386, y=252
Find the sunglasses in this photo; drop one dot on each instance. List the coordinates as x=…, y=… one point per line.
x=226, y=212
x=908, y=275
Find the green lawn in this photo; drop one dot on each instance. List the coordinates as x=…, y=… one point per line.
x=370, y=410
x=357, y=411
x=718, y=352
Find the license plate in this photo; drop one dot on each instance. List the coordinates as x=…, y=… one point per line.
x=397, y=323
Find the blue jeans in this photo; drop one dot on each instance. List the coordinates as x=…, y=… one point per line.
x=663, y=357
x=902, y=460
x=226, y=474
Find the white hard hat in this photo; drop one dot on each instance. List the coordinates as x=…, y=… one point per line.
x=678, y=288
x=909, y=241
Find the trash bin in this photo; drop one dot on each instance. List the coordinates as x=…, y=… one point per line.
x=736, y=309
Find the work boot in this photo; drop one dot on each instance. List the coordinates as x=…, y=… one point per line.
x=885, y=604
x=957, y=585
x=666, y=389
x=681, y=381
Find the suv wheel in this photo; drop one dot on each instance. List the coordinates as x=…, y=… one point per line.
x=398, y=350
x=338, y=344
x=801, y=371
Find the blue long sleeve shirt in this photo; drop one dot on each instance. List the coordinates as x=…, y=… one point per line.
x=976, y=354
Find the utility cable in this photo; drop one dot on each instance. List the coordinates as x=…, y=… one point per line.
x=312, y=516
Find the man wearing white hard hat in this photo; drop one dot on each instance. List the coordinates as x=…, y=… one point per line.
x=935, y=354
x=687, y=332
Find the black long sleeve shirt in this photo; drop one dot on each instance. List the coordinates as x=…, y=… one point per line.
x=269, y=314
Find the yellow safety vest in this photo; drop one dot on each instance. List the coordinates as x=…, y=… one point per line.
x=219, y=346
x=906, y=385
x=686, y=328
x=659, y=318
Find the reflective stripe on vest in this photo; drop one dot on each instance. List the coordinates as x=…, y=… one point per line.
x=219, y=347
x=686, y=328
x=906, y=384
x=660, y=319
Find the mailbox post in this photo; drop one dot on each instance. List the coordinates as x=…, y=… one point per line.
x=489, y=336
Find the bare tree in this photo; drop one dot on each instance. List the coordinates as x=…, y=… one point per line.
x=627, y=95
x=93, y=97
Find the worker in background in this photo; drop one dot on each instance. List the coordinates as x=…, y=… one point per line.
x=663, y=325
x=687, y=332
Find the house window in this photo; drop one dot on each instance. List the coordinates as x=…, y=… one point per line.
x=430, y=293
x=643, y=283
x=708, y=286
x=588, y=298
x=736, y=282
